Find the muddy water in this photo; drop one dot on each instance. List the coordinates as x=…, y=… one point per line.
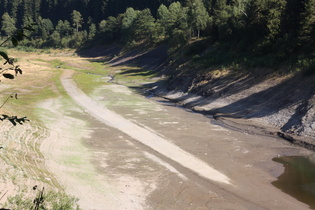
x=298, y=179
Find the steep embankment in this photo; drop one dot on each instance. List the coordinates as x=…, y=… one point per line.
x=258, y=98
x=284, y=102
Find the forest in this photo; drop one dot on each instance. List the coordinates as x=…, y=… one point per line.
x=268, y=32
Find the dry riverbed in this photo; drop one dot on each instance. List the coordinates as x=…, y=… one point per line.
x=113, y=148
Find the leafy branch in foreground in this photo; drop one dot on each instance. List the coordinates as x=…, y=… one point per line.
x=13, y=119
x=9, y=67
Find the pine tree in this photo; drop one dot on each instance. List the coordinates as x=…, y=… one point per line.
x=63, y=27
x=111, y=27
x=127, y=25
x=199, y=16
x=164, y=19
x=307, y=23
x=173, y=17
x=45, y=27
x=273, y=17
x=8, y=24
x=128, y=17
x=92, y=31
x=102, y=26
x=55, y=39
x=144, y=26
x=77, y=20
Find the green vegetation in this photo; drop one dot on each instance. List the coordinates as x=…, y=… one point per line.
x=45, y=200
x=267, y=33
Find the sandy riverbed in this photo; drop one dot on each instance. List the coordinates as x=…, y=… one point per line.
x=116, y=163
x=111, y=166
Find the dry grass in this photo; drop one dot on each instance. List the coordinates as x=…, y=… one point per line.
x=22, y=163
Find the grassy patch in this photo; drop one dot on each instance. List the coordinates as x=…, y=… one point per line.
x=51, y=200
x=20, y=156
x=87, y=82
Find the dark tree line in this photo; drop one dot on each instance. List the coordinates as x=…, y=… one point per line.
x=56, y=10
x=255, y=26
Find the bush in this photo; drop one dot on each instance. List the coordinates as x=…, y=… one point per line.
x=51, y=200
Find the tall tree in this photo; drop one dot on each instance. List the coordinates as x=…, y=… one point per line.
x=45, y=27
x=173, y=17
x=144, y=26
x=307, y=23
x=273, y=17
x=102, y=26
x=63, y=27
x=111, y=27
x=92, y=31
x=127, y=24
x=77, y=20
x=163, y=15
x=55, y=39
x=128, y=17
x=199, y=16
x=8, y=24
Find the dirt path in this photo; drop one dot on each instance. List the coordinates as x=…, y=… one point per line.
x=143, y=135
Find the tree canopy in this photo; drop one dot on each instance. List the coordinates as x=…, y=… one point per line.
x=252, y=26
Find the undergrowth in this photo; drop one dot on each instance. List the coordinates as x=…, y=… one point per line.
x=50, y=200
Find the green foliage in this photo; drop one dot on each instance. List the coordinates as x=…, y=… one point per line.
x=64, y=28
x=45, y=27
x=307, y=24
x=55, y=39
x=199, y=16
x=271, y=28
x=164, y=19
x=144, y=26
x=127, y=25
x=8, y=24
x=102, y=26
x=5, y=72
x=111, y=28
x=77, y=19
x=51, y=201
x=128, y=18
x=92, y=31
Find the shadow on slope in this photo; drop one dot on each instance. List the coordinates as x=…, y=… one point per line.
x=271, y=100
x=107, y=51
x=152, y=59
x=289, y=105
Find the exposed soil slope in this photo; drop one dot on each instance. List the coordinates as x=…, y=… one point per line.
x=285, y=103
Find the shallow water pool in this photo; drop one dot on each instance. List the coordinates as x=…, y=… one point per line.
x=298, y=178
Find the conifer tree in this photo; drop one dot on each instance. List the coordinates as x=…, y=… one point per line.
x=199, y=16
x=8, y=24
x=77, y=20
x=102, y=26
x=144, y=25
x=307, y=23
x=92, y=31
x=127, y=24
x=164, y=19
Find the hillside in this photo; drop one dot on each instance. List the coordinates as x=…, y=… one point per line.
x=257, y=100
